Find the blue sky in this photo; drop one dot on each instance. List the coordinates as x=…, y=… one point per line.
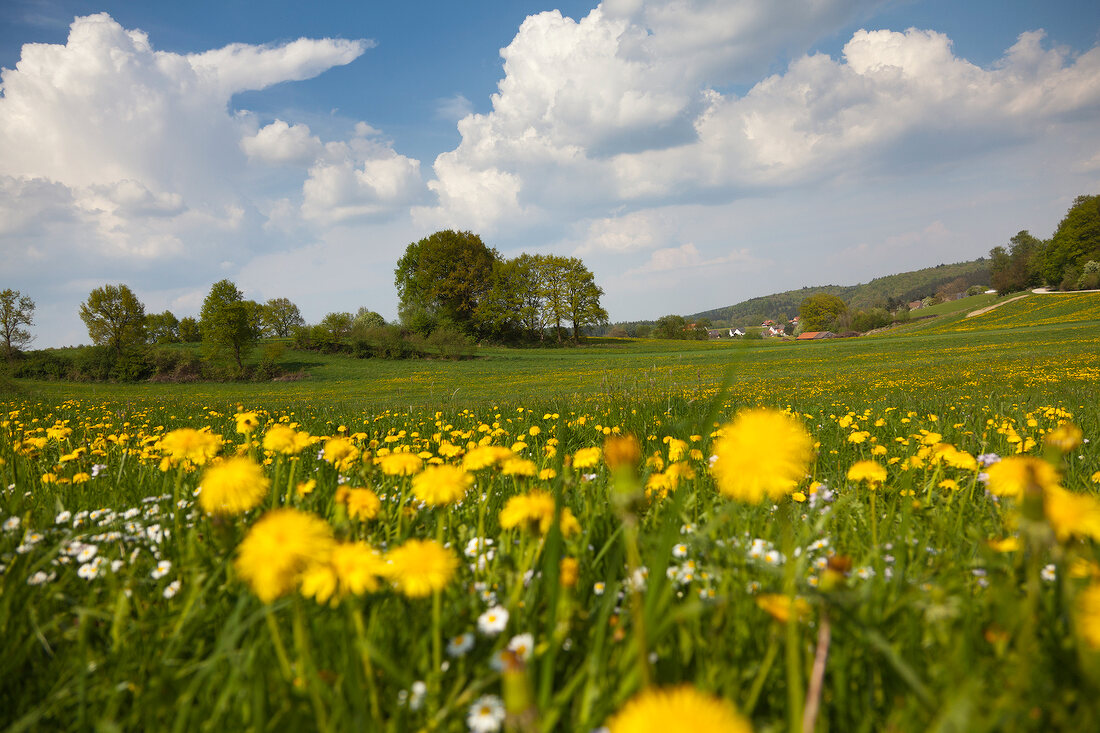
x=694, y=153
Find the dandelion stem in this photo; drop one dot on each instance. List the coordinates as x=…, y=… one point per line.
x=762, y=674
x=368, y=668
x=280, y=649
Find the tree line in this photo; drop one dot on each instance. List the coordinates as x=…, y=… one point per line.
x=453, y=289
x=1069, y=260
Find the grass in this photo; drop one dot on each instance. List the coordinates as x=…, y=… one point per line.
x=932, y=622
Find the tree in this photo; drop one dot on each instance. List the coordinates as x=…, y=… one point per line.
x=162, y=328
x=114, y=317
x=336, y=327
x=16, y=311
x=280, y=317
x=226, y=323
x=819, y=312
x=1075, y=242
x=442, y=278
x=366, y=318
x=582, y=297
x=189, y=330
x=669, y=327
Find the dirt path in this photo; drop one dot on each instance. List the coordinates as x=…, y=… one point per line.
x=980, y=311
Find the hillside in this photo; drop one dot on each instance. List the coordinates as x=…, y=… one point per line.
x=900, y=288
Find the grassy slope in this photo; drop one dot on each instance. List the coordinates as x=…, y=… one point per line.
x=905, y=286
x=1023, y=344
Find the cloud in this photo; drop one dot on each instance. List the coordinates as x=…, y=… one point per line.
x=281, y=143
x=361, y=178
x=453, y=108
x=688, y=256
x=622, y=109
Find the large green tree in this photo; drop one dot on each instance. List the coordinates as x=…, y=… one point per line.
x=443, y=278
x=162, y=328
x=280, y=317
x=16, y=311
x=582, y=297
x=1075, y=242
x=1018, y=267
x=227, y=323
x=114, y=317
x=820, y=312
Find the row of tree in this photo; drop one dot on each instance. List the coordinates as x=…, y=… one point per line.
x=452, y=279
x=1069, y=260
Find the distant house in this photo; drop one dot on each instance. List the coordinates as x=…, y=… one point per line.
x=916, y=305
x=815, y=335
x=736, y=332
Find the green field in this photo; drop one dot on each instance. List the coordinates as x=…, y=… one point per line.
x=922, y=602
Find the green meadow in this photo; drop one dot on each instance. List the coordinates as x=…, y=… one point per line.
x=897, y=581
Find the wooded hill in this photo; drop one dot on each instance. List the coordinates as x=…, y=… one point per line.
x=887, y=291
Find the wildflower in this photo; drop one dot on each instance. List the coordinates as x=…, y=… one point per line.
x=568, y=571
x=763, y=453
x=362, y=504
x=486, y=715
x=441, y=485
x=247, y=422
x=587, y=457
x=187, y=445
x=485, y=456
x=284, y=439
x=171, y=589
x=1012, y=476
x=780, y=607
x=460, y=645
x=519, y=467
x=341, y=453
x=278, y=548
x=1071, y=514
x=163, y=568
x=233, y=487
x=421, y=567
x=599, y=587
x=12, y=523
x=1048, y=573
x=401, y=464
x=493, y=621
x=658, y=710
x=357, y=566
x=305, y=488
x=621, y=451
x=870, y=471
x=548, y=474
x=1008, y=544
x=522, y=645
x=1065, y=437
x=1088, y=615
x=535, y=511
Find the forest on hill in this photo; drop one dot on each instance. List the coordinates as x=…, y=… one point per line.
x=887, y=292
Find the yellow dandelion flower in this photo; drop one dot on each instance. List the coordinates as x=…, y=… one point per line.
x=587, y=457
x=305, y=488
x=363, y=504
x=1071, y=514
x=247, y=422
x=763, y=453
x=622, y=451
x=534, y=511
x=440, y=485
x=1008, y=544
x=1065, y=437
x=82, y=477
x=279, y=548
x=188, y=444
x=519, y=467
x=233, y=486
x=358, y=567
x=421, y=567
x=1012, y=475
x=319, y=582
x=1088, y=615
x=659, y=710
x=401, y=464
x=284, y=439
x=780, y=607
x=484, y=456
x=341, y=453
x=870, y=471
x=569, y=570
x=547, y=474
